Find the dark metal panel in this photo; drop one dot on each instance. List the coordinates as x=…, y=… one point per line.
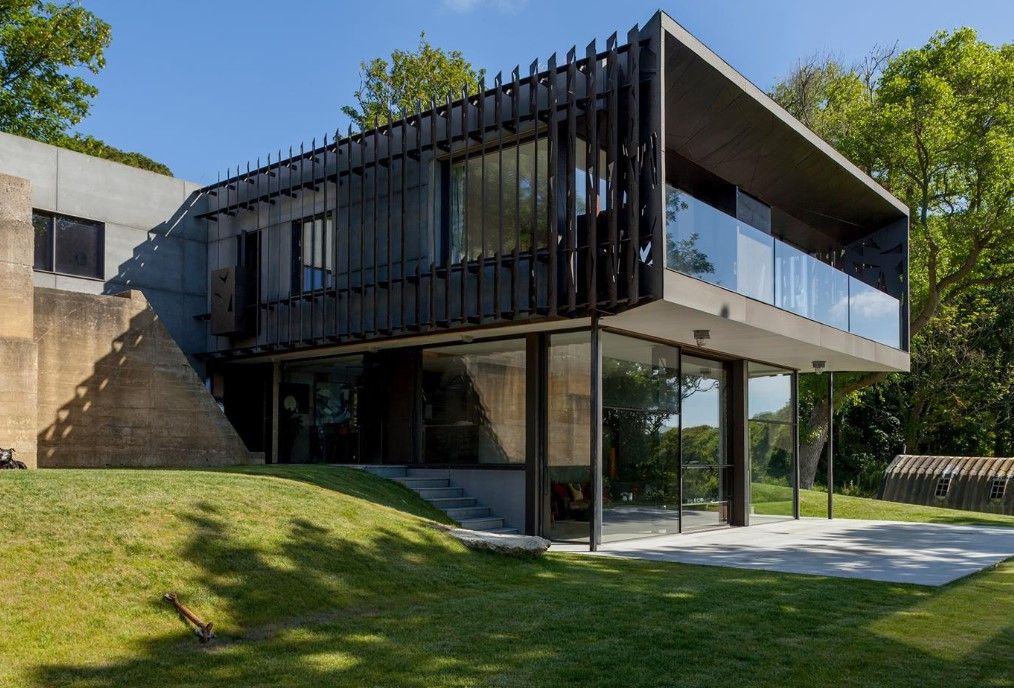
x=632, y=155
x=592, y=174
x=613, y=161
x=552, y=167
x=570, y=254
x=516, y=254
x=533, y=261
x=498, y=242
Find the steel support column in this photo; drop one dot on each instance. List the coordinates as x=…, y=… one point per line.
x=795, y=445
x=739, y=428
x=595, y=444
x=536, y=404
x=830, y=445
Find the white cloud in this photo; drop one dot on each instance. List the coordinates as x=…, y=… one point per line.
x=504, y=6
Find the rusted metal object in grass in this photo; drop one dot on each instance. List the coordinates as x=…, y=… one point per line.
x=204, y=631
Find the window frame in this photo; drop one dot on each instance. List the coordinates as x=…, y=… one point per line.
x=998, y=488
x=298, y=276
x=52, y=219
x=944, y=482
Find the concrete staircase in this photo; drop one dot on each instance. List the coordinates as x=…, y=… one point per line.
x=435, y=487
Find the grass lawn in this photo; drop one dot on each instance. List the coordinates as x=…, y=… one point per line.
x=775, y=499
x=319, y=576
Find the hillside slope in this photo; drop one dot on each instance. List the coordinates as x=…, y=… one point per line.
x=318, y=576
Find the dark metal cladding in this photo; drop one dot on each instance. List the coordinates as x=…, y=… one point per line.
x=570, y=184
x=536, y=198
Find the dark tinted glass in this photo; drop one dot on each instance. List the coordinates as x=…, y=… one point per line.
x=79, y=247
x=43, y=241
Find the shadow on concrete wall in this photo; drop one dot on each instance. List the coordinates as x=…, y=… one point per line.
x=134, y=400
x=170, y=268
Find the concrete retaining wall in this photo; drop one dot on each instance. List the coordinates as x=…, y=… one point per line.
x=18, y=368
x=115, y=390
x=91, y=379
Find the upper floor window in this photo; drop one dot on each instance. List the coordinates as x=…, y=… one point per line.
x=313, y=252
x=69, y=245
x=496, y=201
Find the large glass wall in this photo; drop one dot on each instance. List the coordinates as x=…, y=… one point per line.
x=319, y=414
x=474, y=403
x=706, y=464
x=567, y=504
x=772, y=441
x=640, y=438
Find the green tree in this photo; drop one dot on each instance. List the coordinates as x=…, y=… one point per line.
x=89, y=145
x=935, y=126
x=45, y=49
x=410, y=77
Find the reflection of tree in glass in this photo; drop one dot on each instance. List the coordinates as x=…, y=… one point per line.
x=641, y=400
x=682, y=254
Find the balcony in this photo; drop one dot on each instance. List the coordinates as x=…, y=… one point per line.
x=706, y=243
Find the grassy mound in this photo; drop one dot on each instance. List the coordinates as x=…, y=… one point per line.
x=320, y=576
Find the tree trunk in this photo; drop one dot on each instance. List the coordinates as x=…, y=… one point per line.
x=810, y=451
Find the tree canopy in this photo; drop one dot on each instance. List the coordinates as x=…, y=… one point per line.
x=46, y=51
x=935, y=126
x=390, y=87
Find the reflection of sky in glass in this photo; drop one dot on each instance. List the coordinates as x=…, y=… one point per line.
x=769, y=394
x=702, y=407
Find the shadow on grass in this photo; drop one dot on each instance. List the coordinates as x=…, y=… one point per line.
x=349, y=481
x=409, y=608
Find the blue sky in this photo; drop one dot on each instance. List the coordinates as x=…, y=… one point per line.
x=203, y=85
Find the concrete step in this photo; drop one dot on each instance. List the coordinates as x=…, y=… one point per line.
x=487, y=523
x=461, y=513
x=431, y=493
x=417, y=483
x=387, y=471
x=428, y=473
x=445, y=503
x=503, y=531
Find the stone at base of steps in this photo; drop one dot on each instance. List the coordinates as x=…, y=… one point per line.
x=503, y=543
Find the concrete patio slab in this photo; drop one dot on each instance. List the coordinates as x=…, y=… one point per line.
x=894, y=552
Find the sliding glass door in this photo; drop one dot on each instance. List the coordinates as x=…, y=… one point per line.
x=706, y=465
x=640, y=438
x=665, y=448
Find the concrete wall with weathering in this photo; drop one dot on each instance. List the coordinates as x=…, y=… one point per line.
x=152, y=242
x=18, y=367
x=114, y=389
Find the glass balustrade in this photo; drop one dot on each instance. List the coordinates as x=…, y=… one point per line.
x=708, y=244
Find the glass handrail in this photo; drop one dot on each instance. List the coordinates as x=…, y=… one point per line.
x=709, y=244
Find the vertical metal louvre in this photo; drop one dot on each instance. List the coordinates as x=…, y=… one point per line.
x=530, y=199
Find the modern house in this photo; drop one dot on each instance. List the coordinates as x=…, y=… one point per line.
x=581, y=296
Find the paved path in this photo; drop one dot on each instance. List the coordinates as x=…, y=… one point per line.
x=920, y=553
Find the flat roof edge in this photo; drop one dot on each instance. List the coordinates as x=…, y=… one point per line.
x=677, y=31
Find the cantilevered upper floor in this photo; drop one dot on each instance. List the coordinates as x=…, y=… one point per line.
x=644, y=182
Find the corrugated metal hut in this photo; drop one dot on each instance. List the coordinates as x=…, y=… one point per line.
x=973, y=483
